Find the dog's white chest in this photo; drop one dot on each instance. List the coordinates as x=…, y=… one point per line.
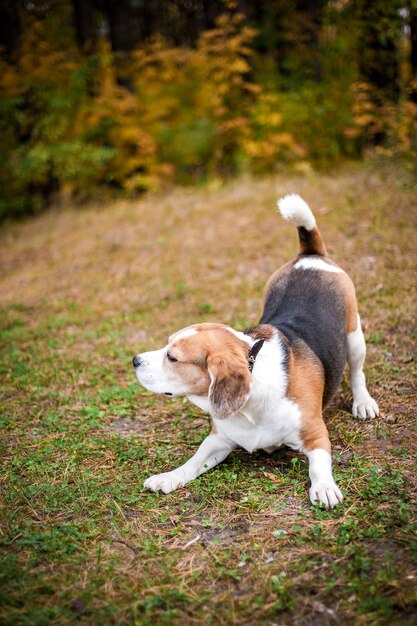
x=265, y=428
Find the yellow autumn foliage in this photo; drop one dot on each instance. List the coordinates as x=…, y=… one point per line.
x=69, y=123
x=397, y=123
x=188, y=113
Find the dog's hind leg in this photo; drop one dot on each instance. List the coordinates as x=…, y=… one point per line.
x=363, y=404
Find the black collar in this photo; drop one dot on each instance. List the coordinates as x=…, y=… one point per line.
x=253, y=353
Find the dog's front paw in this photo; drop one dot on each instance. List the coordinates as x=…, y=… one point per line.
x=327, y=493
x=364, y=406
x=165, y=482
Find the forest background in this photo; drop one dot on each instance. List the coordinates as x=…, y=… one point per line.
x=119, y=97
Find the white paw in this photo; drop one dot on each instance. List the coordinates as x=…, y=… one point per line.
x=165, y=482
x=327, y=493
x=364, y=406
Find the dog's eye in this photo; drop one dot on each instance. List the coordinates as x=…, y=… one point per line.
x=171, y=358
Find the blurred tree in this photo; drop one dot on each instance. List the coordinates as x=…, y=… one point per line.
x=309, y=15
x=129, y=94
x=85, y=27
x=10, y=27
x=122, y=25
x=412, y=8
x=192, y=18
x=289, y=33
x=381, y=26
x=124, y=35
x=271, y=19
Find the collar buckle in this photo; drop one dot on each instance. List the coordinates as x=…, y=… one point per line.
x=253, y=353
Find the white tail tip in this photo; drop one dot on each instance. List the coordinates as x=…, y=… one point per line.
x=296, y=211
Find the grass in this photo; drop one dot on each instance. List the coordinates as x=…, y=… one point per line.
x=81, y=292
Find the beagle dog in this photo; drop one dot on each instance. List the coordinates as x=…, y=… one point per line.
x=267, y=386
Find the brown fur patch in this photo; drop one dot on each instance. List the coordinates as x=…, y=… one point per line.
x=231, y=382
x=349, y=296
x=221, y=360
x=197, y=327
x=311, y=241
x=305, y=388
x=263, y=331
x=193, y=374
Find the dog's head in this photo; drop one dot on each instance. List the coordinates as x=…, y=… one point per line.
x=208, y=360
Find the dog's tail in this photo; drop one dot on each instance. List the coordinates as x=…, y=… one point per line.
x=297, y=212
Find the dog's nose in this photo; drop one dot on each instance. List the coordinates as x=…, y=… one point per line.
x=136, y=361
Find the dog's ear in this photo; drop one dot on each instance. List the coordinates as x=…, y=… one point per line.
x=230, y=383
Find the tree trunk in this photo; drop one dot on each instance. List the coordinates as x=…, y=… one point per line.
x=378, y=47
x=121, y=24
x=10, y=27
x=413, y=47
x=312, y=18
x=83, y=11
x=124, y=35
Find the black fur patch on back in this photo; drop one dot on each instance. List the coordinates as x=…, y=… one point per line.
x=307, y=304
